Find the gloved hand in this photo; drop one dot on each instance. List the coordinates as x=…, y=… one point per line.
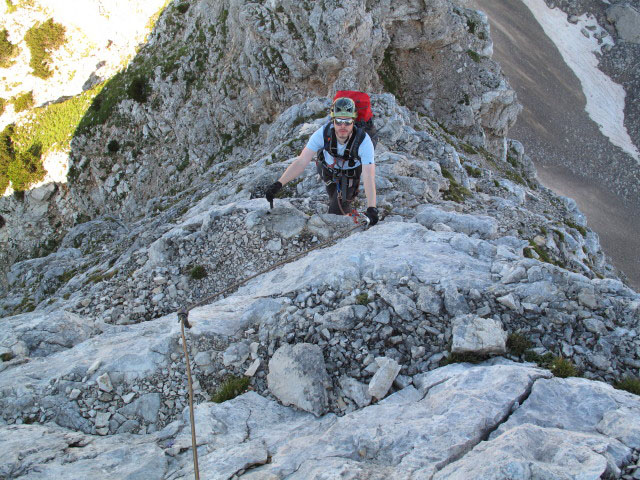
x=271, y=192
x=372, y=214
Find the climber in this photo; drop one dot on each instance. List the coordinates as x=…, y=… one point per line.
x=345, y=152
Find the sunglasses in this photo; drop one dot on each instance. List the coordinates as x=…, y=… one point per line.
x=343, y=121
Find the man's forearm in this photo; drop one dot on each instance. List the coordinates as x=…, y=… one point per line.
x=369, y=180
x=293, y=171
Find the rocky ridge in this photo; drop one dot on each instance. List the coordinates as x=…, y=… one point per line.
x=101, y=354
x=471, y=249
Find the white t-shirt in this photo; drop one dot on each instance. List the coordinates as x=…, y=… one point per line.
x=365, y=151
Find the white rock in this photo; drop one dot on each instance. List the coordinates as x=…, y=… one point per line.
x=253, y=368
x=478, y=335
x=384, y=377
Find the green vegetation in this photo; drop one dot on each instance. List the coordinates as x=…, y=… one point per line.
x=11, y=8
x=23, y=102
x=518, y=344
x=231, y=388
x=362, y=299
x=456, y=192
x=468, y=149
x=389, y=74
x=542, y=253
x=475, y=56
x=472, y=171
x=468, y=357
x=629, y=384
x=42, y=40
x=44, y=129
x=563, y=368
x=22, y=168
x=3, y=103
x=113, y=146
x=575, y=226
x=139, y=89
x=198, y=272
x=183, y=7
x=7, y=49
x=6, y=356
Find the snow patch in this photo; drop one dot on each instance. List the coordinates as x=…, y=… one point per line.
x=605, y=98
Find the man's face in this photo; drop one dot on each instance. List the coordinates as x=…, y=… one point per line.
x=343, y=127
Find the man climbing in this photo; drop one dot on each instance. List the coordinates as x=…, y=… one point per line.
x=345, y=153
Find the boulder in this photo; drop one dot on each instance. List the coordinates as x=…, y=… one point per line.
x=473, y=334
x=297, y=376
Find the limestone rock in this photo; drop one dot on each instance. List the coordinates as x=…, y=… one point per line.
x=297, y=376
x=383, y=379
x=479, y=335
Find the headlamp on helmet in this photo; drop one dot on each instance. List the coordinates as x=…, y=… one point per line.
x=343, y=107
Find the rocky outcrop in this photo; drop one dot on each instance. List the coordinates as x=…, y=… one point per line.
x=344, y=333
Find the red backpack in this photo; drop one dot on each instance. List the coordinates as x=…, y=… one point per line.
x=363, y=107
x=362, y=101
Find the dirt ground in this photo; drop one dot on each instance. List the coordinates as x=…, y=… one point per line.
x=570, y=153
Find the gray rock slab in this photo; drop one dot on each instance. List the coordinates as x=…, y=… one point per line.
x=420, y=433
x=45, y=452
x=44, y=333
x=298, y=376
x=580, y=405
x=147, y=406
x=528, y=451
x=388, y=250
x=482, y=225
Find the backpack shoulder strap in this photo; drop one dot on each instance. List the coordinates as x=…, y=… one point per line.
x=351, y=151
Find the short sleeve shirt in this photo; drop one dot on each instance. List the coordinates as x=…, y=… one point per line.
x=365, y=151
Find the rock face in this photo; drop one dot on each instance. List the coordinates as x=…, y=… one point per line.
x=343, y=342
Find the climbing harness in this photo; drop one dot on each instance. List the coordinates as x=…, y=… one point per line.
x=183, y=315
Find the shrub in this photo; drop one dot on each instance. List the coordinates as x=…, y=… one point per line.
x=362, y=299
x=630, y=384
x=518, y=344
x=23, y=102
x=560, y=367
x=3, y=103
x=11, y=8
x=21, y=168
x=26, y=169
x=138, y=89
x=42, y=40
x=7, y=49
x=113, y=146
x=563, y=368
x=183, y=7
x=468, y=357
x=198, y=272
x=231, y=388
x=472, y=171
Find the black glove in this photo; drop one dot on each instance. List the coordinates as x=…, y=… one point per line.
x=372, y=214
x=271, y=192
